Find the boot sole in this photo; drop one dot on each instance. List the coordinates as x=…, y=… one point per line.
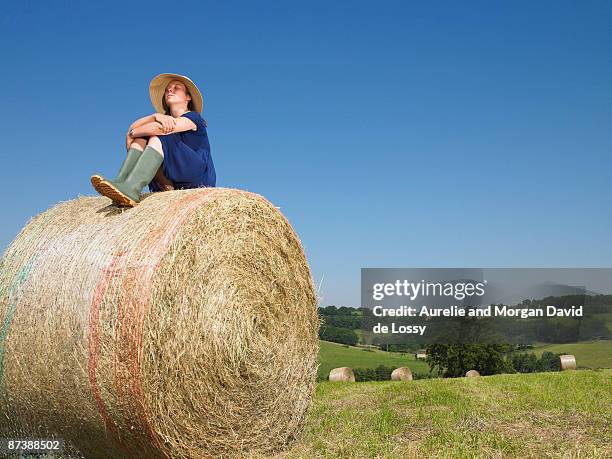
x=95, y=181
x=107, y=189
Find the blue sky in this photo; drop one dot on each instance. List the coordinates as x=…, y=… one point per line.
x=391, y=134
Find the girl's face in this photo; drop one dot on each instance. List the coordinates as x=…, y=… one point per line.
x=176, y=93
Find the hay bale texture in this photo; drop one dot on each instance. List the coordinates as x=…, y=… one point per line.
x=567, y=362
x=185, y=327
x=401, y=374
x=342, y=374
x=472, y=374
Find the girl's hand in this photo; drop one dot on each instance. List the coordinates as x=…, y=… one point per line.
x=168, y=122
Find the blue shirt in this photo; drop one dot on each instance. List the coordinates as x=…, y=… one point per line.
x=187, y=159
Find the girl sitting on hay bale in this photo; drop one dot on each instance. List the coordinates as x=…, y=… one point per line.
x=167, y=150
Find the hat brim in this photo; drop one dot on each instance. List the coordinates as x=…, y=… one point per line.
x=157, y=91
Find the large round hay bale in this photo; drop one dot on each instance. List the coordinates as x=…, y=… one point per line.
x=568, y=362
x=401, y=374
x=472, y=374
x=185, y=327
x=342, y=374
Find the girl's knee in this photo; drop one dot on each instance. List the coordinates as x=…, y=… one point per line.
x=139, y=143
x=156, y=143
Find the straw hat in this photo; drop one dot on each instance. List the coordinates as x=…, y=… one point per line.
x=157, y=89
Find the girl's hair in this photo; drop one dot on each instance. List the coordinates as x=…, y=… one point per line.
x=167, y=109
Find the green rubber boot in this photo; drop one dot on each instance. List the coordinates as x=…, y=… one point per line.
x=132, y=156
x=127, y=192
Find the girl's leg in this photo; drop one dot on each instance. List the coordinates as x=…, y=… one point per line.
x=138, y=143
x=156, y=143
x=127, y=192
x=134, y=148
x=164, y=183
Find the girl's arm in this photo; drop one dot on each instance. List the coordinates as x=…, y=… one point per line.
x=143, y=120
x=155, y=128
x=148, y=129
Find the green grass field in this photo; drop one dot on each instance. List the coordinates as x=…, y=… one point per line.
x=565, y=414
x=332, y=355
x=594, y=354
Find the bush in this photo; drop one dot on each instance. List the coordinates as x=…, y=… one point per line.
x=549, y=362
x=427, y=375
x=525, y=363
x=454, y=360
x=529, y=363
x=380, y=373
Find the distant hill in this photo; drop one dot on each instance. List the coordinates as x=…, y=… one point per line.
x=538, y=292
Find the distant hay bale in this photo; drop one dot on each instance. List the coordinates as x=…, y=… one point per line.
x=184, y=327
x=342, y=374
x=401, y=374
x=568, y=362
x=472, y=374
